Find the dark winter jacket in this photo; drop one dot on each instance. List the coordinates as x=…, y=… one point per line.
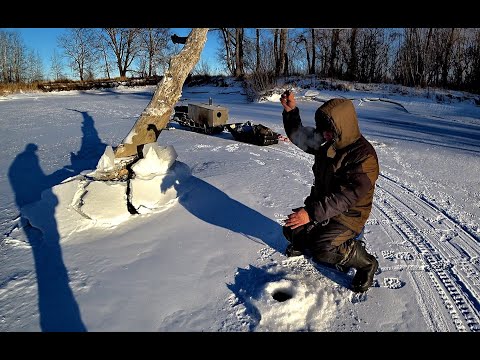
x=345, y=169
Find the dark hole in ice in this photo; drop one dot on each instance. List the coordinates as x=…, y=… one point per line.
x=281, y=295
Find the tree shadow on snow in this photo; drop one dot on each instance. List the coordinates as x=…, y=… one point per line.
x=58, y=308
x=91, y=149
x=213, y=206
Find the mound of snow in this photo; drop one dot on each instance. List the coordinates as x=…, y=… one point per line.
x=80, y=203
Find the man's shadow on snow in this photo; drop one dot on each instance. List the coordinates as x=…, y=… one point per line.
x=58, y=308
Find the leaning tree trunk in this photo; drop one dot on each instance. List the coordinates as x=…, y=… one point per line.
x=157, y=114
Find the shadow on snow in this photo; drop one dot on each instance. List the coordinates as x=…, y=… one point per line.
x=58, y=308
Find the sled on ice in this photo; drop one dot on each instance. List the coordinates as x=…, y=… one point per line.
x=212, y=119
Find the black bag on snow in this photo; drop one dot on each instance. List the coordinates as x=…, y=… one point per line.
x=257, y=134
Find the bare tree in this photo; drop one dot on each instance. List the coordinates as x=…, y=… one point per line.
x=332, y=71
x=36, y=66
x=18, y=59
x=306, y=37
x=17, y=62
x=353, y=60
x=314, y=53
x=233, y=42
x=303, y=39
x=276, y=51
x=102, y=46
x=447, y=55
x=426, y=56
x=257, y=49
x=125, y=44
x=154, y=44
x=300, y=51
x=228, y=43
x=373, y=55
x=56, y=66
x=202, y=68
x=157, y=114
x=239, y=69
x=3, y=56
x=253, y=58
x=283, y=65
x=472, y=54
x=322, y=43
x=280, y=37
x=79, y=46
x=417, y=61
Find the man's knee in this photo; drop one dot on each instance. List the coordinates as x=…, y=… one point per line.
x=327, y=257
x=293, y=234
x=287, y=232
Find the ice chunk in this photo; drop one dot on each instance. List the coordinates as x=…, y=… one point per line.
x=107, y=161
x=156, y=161
x=159, y=192
x=54, y=215
x=106, y=203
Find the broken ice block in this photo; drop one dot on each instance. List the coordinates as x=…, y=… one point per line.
x=156, y=160
x=107, y=161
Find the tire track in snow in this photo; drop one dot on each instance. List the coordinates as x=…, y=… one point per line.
x=452, y=264
x=428, y=306
x=449, y=249
x=460, y=248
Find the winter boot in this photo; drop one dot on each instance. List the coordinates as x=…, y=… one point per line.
x=291, y=251
x=365, y=264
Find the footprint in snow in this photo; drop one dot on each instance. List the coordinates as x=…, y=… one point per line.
x=202, y=146
x=232, y=147
x=393, y=283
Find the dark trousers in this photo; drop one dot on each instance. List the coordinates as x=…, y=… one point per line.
x=329, y=244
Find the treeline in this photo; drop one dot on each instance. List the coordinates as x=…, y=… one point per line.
x=437, y=57
x=141, y=52
x=89, y=54
x=17, y=63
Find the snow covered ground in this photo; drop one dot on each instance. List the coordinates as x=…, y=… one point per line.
x=206, y=254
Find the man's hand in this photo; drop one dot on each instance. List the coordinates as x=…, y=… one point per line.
x=298, y=218
x=288, y=101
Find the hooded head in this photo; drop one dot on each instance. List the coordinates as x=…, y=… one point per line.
x=339, y=116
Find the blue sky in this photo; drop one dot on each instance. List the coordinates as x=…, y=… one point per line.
x=45, y=41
